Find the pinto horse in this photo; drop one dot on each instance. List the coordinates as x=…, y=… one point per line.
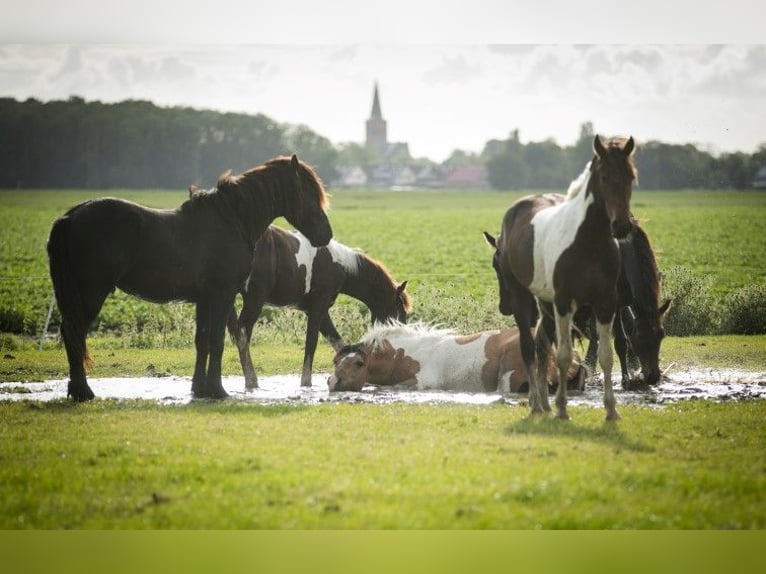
x=565, y=254
x=638, y=326
x=421, y=357
x=288, y=271
x=200, y=252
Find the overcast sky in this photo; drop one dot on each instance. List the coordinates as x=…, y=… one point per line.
x=437, y=96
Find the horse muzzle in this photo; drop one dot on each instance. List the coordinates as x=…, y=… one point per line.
x=621, y=229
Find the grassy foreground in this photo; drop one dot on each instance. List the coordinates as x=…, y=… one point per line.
x=111, y=464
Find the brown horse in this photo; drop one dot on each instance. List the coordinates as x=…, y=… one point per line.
x=200, y=252
x=565, y=255
x=421, y=357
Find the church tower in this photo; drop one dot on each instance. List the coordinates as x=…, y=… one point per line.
x=376, y=127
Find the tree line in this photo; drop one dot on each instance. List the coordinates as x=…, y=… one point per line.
x=545, y=165
x=136, y=144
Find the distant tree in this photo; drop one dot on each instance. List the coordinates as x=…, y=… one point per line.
x=507, y=167
x=459, y=158
x=547, y=166
x=314, y=149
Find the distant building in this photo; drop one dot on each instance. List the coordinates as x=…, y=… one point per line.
x=377, y=135
x=394, y=168
x=468, y=177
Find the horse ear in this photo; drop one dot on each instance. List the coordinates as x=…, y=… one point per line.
x=193, y=189
x=665, y=307
x=294, y=162
x=490, y=240
x=630, y=146
x=598, y=146
x=400, y=289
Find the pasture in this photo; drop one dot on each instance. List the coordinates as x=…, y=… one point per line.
x=433, y=240
x=693, y=465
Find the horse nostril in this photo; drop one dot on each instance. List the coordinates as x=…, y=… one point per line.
x=620, y=229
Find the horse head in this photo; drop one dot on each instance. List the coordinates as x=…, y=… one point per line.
x=401, y=306
x=350, y=369
x=306, y=211
x=614, y=172
x=645, y=333
x=505, y=296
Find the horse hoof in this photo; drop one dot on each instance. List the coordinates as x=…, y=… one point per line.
x=81, y=395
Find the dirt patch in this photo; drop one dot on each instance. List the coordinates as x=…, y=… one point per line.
x=690, y=384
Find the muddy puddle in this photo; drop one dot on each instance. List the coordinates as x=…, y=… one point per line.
x=700, y=384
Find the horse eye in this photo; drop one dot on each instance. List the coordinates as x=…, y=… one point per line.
x=359, y=364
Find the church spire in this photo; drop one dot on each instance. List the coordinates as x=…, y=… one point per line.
x=376, y=127
x=376, y=114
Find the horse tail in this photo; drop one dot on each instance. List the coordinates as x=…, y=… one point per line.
x=65, y=287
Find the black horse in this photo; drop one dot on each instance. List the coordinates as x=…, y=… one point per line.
x=200, y=252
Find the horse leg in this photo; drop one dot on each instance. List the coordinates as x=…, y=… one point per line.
x=247, y=318
x=563, y=358
x=591, y=355
x=220, y=308
x=621, y=346
x=524, y=310
x=330, y=333
x=544, y=335
x=312, y=338
x=201, y=335
x=605, y=359
x=74, y=334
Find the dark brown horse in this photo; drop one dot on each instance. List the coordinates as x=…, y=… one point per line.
x=638, y=326
x=200, y=252
x=288, y=271
x=565, y=255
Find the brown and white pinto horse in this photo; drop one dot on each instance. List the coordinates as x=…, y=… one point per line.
x=421, y=357
x=565, y=255
x=289, y=271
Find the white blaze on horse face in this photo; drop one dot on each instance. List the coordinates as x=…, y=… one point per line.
x=555, y=229
x=305, y=256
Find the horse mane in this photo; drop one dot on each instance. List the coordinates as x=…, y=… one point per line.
x=578, y=184
x=382, y=275
x=254, y=176
x=379, y=332
x=642, y=271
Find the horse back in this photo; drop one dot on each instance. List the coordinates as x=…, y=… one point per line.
x=276, y=276
x=517, y=238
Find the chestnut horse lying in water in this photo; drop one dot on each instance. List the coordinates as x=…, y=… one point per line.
x=421, y=357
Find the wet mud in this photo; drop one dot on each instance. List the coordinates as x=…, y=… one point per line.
x=691, y=384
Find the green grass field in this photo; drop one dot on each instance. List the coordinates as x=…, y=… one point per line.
x=135, y=464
